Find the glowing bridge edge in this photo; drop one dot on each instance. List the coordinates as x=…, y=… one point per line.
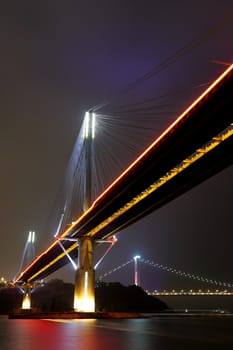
x=215, y=141
x=211, y=87
x=151, y=146
x=162, y=180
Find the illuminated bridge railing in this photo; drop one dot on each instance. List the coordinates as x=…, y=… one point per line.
x=191, y=292
x=196, y=146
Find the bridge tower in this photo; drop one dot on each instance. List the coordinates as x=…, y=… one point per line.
x=84, y=293
x=136, y=272
x=28, y=256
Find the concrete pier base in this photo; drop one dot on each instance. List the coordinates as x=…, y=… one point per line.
x=84, y=294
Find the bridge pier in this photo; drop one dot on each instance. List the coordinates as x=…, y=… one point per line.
x=84, y=293
x=26, y=303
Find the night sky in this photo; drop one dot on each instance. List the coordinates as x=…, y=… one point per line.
x=59, y=58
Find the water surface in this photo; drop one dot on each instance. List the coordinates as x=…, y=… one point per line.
x=160, y=333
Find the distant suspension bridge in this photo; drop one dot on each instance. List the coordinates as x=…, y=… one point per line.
x=220, y=285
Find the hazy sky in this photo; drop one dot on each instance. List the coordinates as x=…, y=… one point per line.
x=59, y=58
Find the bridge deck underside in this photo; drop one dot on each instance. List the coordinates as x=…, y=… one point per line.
x=206, y=120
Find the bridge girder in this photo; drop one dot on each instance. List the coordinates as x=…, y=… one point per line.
x=203, y=122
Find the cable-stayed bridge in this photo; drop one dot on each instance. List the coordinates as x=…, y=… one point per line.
x=194, y=147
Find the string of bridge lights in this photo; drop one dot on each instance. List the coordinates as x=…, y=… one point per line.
x=172, y=270
x=115, y=269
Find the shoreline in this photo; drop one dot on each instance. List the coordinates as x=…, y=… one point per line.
x=29, y=314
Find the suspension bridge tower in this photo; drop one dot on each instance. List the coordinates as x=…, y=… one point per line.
x=84, y=293
x=136, y=272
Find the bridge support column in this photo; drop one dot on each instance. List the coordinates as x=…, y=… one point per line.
x=84, y=293
x=26, y=304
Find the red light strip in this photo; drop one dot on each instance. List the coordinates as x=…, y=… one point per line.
x=179, y=118
x=211, y=87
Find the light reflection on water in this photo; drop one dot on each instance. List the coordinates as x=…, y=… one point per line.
x=135, y=334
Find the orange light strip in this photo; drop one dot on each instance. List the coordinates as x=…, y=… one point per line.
x=154, y=186
x=34, y=261
x=162, y=180
x=70, y=249
x=211, y=87
x=179, y=118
